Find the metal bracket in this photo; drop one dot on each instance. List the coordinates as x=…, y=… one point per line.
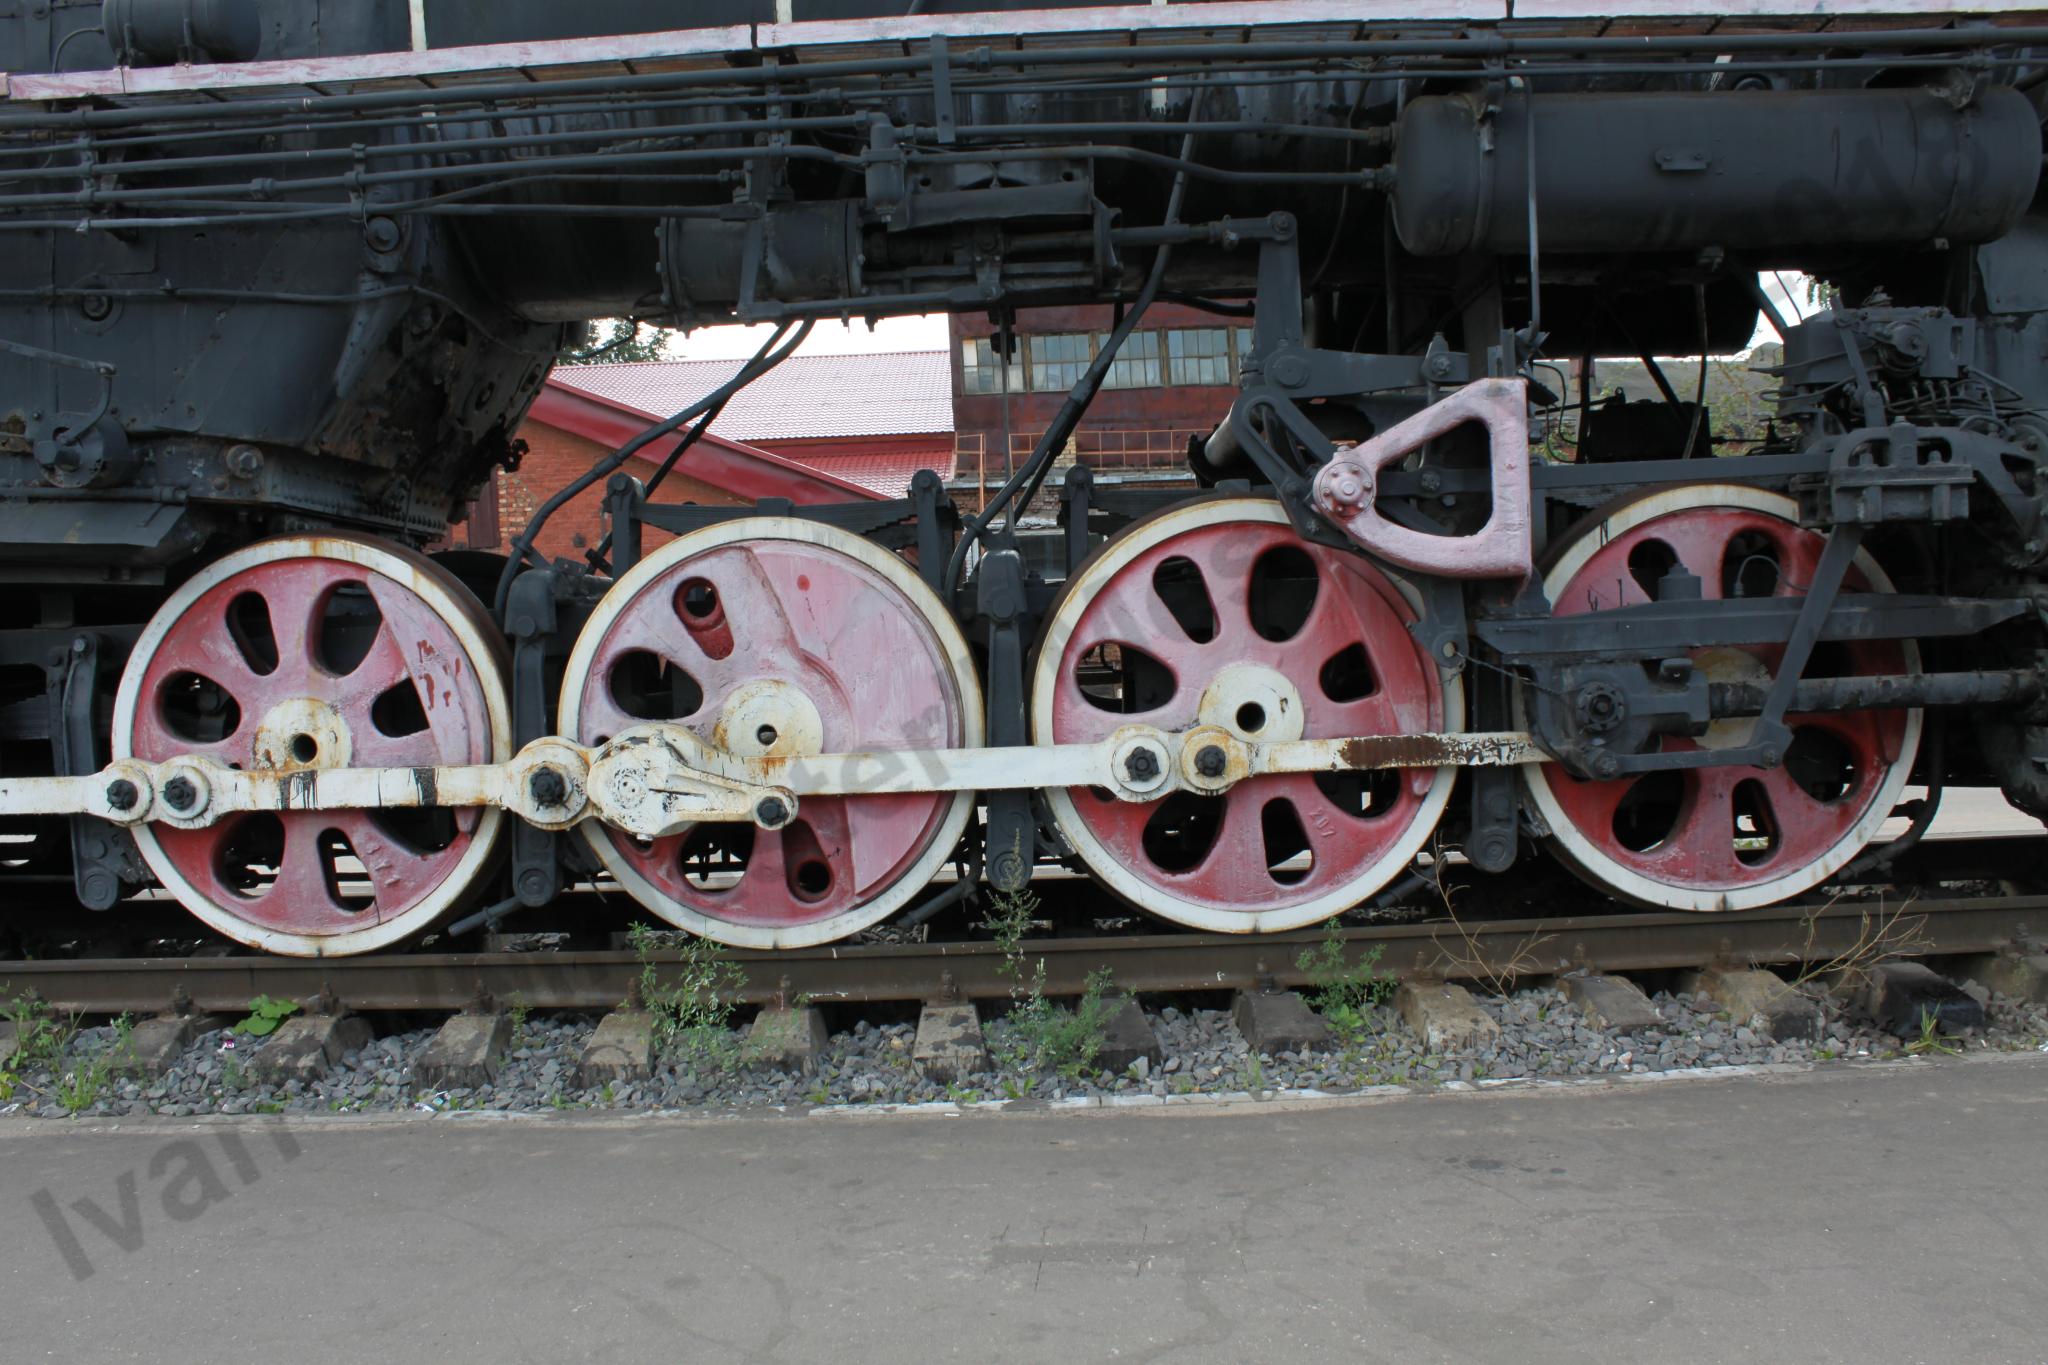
x=1012, y=825
x=1346, y=488
x=532, y=617
x=102, y=854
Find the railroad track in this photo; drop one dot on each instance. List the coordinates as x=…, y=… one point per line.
x=1487, y=950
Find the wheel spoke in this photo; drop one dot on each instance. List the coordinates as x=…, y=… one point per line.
x=1133, y=614
x=302, y=894
x=1236, y=865
x=395, y=870
x=296, y=595
x=1701, y=844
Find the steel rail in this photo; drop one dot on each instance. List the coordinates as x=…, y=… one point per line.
x=1488, y=950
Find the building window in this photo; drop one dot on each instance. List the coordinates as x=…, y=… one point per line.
x=979, y=371
x=1200, y=355
x=1059, y=359
x=1137, y=361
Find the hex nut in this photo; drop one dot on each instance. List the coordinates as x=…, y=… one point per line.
x=547, y=787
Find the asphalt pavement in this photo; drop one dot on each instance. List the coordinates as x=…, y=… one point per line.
x=1854, y=1213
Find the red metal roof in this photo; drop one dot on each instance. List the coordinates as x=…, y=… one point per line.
x=739, y=469
x=887, y=393
x=888, y=474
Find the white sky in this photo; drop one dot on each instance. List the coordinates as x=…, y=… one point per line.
x=923, y=333
x=927, y=332
x=1787, y=289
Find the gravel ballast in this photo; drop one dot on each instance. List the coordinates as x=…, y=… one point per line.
x=1542, y=1036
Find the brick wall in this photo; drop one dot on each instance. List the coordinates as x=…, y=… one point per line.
x=554, y=458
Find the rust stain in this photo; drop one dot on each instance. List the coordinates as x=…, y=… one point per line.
x=1413, y=751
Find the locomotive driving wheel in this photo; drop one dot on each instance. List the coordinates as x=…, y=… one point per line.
x=779, y=636
x=310, y=652
x=1726, y=838
x=1215, y=612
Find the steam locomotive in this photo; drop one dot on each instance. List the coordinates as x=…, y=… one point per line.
x=282, y=279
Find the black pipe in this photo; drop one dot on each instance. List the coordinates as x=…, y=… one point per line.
x=960, y=890
x=1987, y=687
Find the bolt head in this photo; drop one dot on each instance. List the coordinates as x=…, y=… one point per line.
x=382, y=234
x=547, y=787
x=122, y=794
x=1141, y=766
x=1604, y=765
x=180, y=794
x=771, y=812
x=1210, y=760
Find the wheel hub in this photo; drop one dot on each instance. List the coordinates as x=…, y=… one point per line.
x=1725, y=665
x=1259, y=705
x=769, y=718
x=303, y=732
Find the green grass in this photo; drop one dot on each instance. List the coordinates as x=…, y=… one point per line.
x=1929, y=1040
x=85, y=1083
x=518, y=1012
x=1044, y=1036
x=1342, y=991
x=690, y=1006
